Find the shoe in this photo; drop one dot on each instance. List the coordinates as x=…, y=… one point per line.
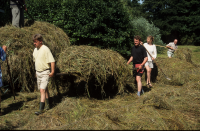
x=138, y=94
x=39, y=112
x=147, y=86
x=47, y=107
x=150, y=85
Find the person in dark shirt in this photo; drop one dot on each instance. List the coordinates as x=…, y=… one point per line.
x=139, y=58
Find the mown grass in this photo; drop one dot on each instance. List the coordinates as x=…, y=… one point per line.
x=164, y=106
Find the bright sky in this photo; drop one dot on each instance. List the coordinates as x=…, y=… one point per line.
x=140, y=1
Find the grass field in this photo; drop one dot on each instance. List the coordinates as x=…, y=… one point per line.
x=161, y=107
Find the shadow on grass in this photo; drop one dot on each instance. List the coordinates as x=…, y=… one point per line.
x=16, y=106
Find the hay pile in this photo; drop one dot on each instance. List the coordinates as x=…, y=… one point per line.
x=163, y=108
x=184, y=54
x=100, y=70
x=20, y=49
x=180, y=71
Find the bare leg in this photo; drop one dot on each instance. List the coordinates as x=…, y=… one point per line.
x=139, y=83
x=43, y=94
x=148, y=74
x=47, y=93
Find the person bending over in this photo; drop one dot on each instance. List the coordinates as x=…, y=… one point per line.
x=172, y=46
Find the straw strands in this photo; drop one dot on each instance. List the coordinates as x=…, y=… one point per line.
x=20, y=50
x=106, y=69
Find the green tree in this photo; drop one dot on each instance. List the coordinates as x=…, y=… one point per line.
x=7, y=16
x=179, y=18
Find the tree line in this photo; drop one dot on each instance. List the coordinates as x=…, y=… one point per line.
x=113, y=23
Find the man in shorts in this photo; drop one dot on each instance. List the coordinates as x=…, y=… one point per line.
x=139, y=58
x=44, y=61
x=172, y=46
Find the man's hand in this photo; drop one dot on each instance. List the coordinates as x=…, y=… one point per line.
x=153, y=58
x=4, y=48
x=51, y=74
x=140, y=67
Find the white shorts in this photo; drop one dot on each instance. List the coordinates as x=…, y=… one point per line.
x=170, y=54
x=149, y=63
x=42, y=79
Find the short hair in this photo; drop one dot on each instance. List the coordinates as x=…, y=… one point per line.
x=151, y=38
x=175, y=39
x=37, y=37
x=137, y=37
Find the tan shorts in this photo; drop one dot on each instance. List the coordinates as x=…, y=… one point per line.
x=149, y=63
x=42, y=79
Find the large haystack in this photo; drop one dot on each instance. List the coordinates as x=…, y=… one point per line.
x=100, y=70
x=20, y=49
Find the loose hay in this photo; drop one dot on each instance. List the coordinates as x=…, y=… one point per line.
x=180, y=71
x=101, y=70
x=184, y=54
x=20, y=49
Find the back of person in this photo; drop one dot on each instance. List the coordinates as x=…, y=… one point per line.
x=152, y=50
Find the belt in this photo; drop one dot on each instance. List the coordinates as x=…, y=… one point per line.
x=43, y=70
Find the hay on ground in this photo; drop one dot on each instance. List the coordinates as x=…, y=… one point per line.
x=180, y=71
x=20, y=50
x=94, y=67
x=184, y=54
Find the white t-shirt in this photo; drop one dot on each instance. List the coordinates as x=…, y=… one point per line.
x=152, y=50
x=42, y=58
x=174, y=46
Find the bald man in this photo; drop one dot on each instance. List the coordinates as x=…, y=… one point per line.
x=172, y=46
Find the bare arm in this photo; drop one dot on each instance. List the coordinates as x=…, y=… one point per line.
x=169, y=47
x=52, y=69
x=131, y=59
x=144, y=61
x=4, y=48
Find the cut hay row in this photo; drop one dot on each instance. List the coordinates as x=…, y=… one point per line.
x=184, y=54
x=180, y=71
x=20, y=50
x=105, y=69
x=163, y=108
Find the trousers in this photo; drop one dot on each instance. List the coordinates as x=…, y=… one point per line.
x=17, y=17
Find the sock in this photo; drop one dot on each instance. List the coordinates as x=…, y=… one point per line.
x=138, y=93
x=42, y=106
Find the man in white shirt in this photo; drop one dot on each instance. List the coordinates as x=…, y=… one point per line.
x=172, y=46
x=44, y=61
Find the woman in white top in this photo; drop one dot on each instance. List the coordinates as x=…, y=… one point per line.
x=149, y=64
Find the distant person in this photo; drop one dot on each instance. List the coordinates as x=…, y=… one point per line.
x=44, y=63
x=3, y=58
x=18, y=12
x=139, y=58
x=151, y=48
x=172, y=46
